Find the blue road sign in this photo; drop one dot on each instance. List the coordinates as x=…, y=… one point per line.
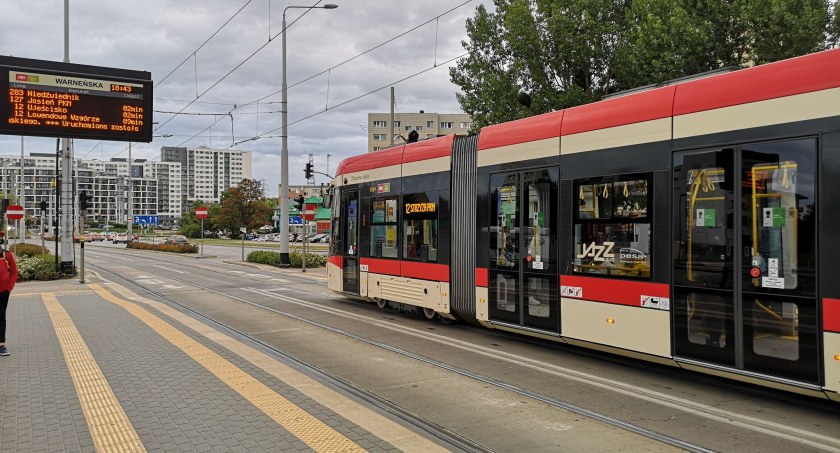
x=146, y=219
x=295, y=220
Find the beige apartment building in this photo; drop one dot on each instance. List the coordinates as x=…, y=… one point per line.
x=427, y=125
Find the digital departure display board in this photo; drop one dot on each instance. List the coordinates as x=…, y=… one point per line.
x=51, y=99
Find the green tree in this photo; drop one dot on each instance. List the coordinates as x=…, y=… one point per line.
x=244, y=205
x=535, y=56
x=191, y=226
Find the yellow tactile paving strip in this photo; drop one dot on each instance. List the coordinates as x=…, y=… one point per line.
x=316, y=434
x=109, y=425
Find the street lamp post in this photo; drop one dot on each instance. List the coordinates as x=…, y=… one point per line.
x=284, y=151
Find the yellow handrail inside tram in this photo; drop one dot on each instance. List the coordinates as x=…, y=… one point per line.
x=705, y=182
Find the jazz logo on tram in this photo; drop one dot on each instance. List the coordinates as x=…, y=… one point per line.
x=416, y=208
x=602, y=253
x=599, y=253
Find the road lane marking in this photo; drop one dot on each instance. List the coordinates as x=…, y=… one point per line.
x=109, y=425
x=170, y=269
x=303, y=425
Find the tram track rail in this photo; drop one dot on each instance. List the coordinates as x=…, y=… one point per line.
x=814, y=440
x=445, y=437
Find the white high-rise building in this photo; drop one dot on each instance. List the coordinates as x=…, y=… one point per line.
x=206, y=172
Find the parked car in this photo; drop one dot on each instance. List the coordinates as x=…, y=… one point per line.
x=177, y=239
x=120, y=237
x=316, y=238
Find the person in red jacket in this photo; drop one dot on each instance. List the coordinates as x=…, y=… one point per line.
x=8, y=278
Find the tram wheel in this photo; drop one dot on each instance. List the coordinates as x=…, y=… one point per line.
x=381, y=303
x=429, y=313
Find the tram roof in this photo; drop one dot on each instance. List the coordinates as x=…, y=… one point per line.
x=805, y=74
x=411, y=152
x=808, y=73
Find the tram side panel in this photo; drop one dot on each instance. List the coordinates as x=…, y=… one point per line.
x=405, y=234
x=414, y=269
x=763, y=309
x=616, y=248
x=829, y=250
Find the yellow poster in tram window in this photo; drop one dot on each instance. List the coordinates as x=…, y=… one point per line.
x=391, y=235
x=427, y=231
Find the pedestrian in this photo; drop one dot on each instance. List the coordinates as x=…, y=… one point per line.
x=8, y=278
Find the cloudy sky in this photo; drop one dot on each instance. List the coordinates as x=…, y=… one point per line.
x=159, y=35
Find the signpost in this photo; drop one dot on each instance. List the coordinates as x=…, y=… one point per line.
x=201, y=213
x=243, y=230
x=147, y=220
x=14, y=212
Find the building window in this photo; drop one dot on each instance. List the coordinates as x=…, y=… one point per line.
x=380, y=137
x=613, y=226
x=380, y=124
x=408, y=128
x=446, y=124
x=430, y=124
x=420, y=228
x=418, y=128
x=377, y=148
x=383, y=228
x=396, y=124
x=466, y=125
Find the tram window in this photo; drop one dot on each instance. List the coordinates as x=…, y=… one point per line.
x=613, y=226
x=778, y=203
x=775, y=327
x=420, y=228
x=383, y=228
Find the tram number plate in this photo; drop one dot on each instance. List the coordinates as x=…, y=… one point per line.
x=662, y=303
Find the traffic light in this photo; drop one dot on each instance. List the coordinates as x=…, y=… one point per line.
x=85, y=200
x=308, y=171
x=43, y=206
x=299, y=203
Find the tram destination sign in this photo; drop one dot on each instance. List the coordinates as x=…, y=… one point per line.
x=51, y=99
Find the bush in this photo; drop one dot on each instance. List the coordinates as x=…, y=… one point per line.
x=264, y=257
x=38, y=267
x=172, y=248
x=312, y=260
x=273, y=259
x=22, y=250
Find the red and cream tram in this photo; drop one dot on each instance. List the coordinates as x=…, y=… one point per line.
x=694, y=224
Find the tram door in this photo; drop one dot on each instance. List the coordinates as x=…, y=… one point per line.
x=745, y=258
x=350, y=241
x=523, y=269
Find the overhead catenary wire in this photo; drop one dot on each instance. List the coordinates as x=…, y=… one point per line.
x=353, y=99
x=237, y=67
x=328, y=70
x=237, y=107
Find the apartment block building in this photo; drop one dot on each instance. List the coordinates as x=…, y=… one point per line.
x=106, y=181
x=428, y=125
x=206, y=172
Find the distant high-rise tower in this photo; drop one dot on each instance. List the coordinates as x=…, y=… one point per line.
x=206, y=173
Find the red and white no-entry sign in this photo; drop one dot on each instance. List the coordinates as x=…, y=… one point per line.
x=200, y=213
x=14, y=212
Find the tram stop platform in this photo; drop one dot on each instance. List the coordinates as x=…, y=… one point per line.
x=96, y=367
